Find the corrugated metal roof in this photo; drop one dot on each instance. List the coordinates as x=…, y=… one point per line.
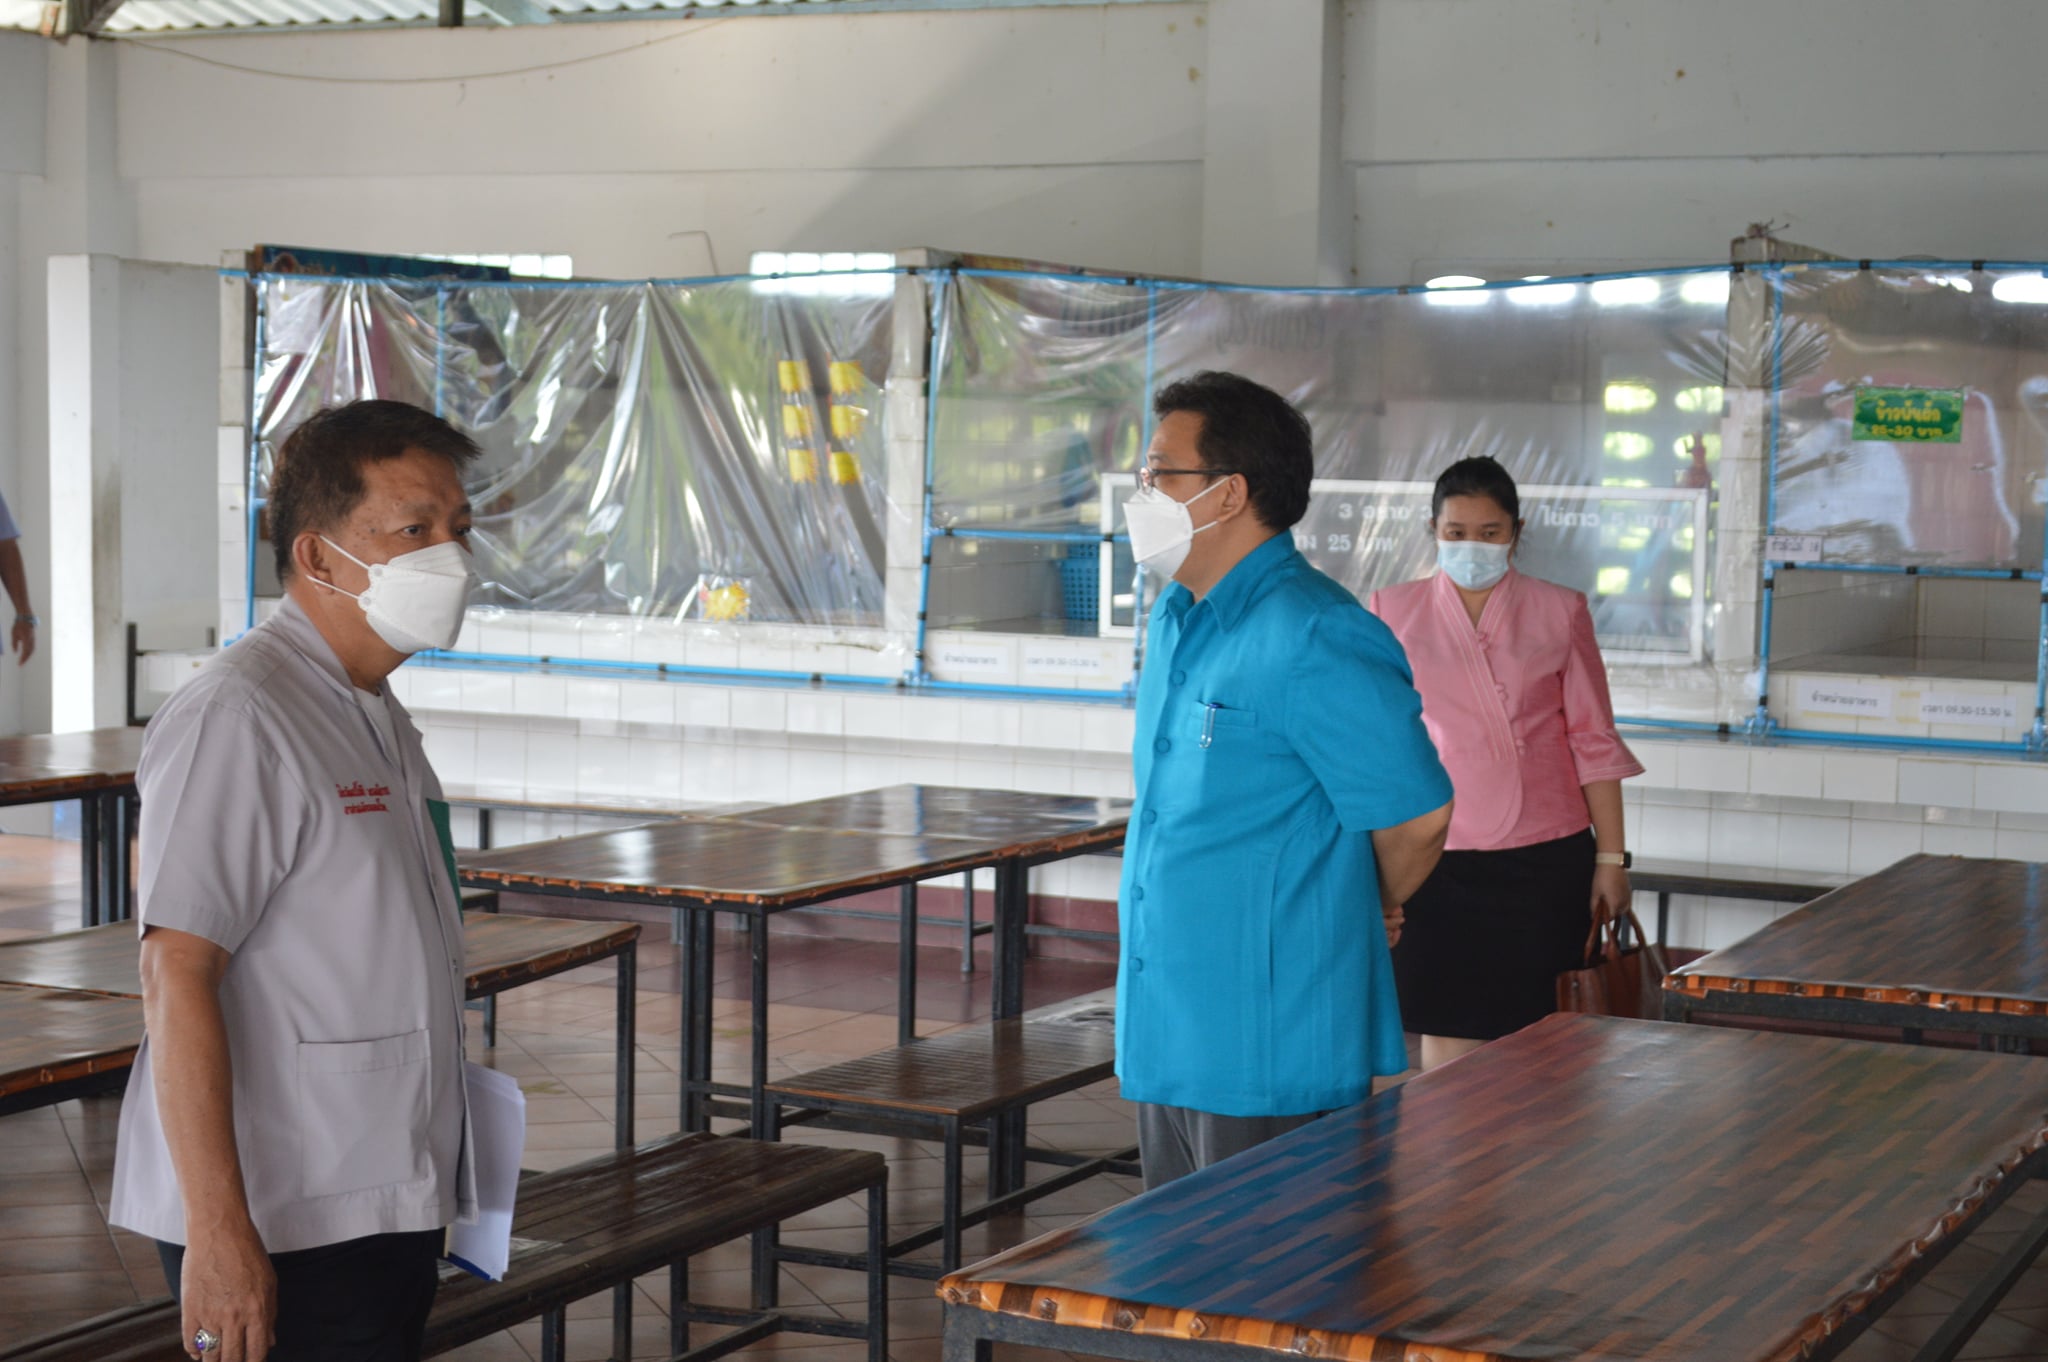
x=202, y=16
x=158, y=16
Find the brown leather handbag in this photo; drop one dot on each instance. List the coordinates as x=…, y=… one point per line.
x=1617, y=980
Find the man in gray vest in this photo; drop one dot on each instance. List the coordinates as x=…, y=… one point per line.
x=295, y=1135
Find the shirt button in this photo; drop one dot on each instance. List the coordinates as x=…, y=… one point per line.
x=1521, y=747
x=1163, y=745
x=1481, y=638
x=1138, y=894
x=1503, y=691
x=1137, y=966
x=1149, y=817
x=1178, y=677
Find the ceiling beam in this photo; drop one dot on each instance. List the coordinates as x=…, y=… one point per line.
x=88, y=17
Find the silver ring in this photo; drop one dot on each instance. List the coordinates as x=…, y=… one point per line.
x=205, y=1341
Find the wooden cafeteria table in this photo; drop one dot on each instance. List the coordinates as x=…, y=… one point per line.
x=1942, y=943
x=56, y=1045
x=765, y=861
x=502, y=951
x=96, y=768
x=1589, y=1188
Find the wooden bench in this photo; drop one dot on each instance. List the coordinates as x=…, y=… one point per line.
x=594, y=1227
x=945, y=1088
x=1663, y=878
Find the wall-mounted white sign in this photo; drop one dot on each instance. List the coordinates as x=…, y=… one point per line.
x=1832, y=695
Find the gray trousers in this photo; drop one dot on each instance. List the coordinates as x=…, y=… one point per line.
x=1175, y=1141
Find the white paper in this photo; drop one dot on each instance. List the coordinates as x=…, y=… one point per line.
x=1052, y=660
x=975, y=659
x=1961, y=707
x=497, y=1124
x=1830, y=695
x=1795, y=548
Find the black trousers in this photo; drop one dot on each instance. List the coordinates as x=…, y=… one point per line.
x=362, y=1300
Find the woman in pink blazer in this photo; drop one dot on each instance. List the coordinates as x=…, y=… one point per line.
x=1515, y=696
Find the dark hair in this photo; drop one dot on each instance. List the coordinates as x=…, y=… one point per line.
x=1249, y=429
x=318, y=480
x=1476, y=477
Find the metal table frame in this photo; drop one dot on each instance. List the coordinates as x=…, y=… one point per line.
x=627, y=954
x=694, y=922
x=2003, y=1031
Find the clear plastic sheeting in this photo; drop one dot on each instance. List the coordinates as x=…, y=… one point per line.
x=1863, y=359
x=1604, y=398
x=652, y=450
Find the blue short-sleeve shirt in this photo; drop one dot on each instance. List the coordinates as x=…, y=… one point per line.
x=1278, y=726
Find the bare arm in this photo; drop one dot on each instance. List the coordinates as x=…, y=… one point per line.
x=229, y=1286
x=1611, y=891
x=14, y=577
x=1407, y=852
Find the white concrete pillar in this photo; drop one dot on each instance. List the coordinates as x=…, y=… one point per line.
x=1276, y=204
x=83, y=625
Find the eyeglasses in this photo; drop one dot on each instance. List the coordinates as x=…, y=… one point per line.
x=1148, y=476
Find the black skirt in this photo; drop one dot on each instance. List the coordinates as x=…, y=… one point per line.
x=1488, y=934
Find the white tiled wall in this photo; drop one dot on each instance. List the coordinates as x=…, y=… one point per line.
x=1725, y=802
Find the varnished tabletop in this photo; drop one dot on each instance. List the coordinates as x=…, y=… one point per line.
x=1948, y=933
x=1017, y=822
x=54, y=765
x=49, y=1036
x=1589, y=1188
x=723, y=861
x=502, y=950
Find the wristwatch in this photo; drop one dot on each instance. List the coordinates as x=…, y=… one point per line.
x=1621, y=858
x=31, y=621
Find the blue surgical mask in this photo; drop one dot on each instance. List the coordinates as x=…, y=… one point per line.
x=1472, y=564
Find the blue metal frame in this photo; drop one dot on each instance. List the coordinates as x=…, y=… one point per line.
x=918, y=676
x=2035, y=741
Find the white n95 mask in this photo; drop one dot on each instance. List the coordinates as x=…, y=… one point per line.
x=1472, y=564
x=415, y=601
x=1162, y=530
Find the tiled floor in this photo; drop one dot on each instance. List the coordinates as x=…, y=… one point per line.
x=59, y=1262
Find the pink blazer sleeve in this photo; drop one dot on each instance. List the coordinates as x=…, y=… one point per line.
x=1597, y=750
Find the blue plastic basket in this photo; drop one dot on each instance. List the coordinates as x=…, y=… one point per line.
x=1081, y=585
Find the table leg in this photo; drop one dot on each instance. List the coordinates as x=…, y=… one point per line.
x=695, y=964
x=89, y=860
x=1955, y=1331
x=906, y=965
x=1663, y=915
x=757, y=1084
x=878, y=1271
x=1013, y=908
x=963, y=1340
x=622, y=1097
x=127, y=811
x=622, y=1320
x=967, y=923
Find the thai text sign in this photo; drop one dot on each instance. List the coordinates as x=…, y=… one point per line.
x=1913, y=415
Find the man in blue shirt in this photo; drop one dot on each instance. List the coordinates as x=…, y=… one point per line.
x=1286, y=790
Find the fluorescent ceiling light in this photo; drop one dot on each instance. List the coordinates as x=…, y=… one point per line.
x=2021, y=288
x=1454, y=290
x=1709, y=290
x=1626, y=292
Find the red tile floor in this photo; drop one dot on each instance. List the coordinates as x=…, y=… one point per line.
x=59, y=1261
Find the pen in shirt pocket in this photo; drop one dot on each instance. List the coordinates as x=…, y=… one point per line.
x=1209, y=708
